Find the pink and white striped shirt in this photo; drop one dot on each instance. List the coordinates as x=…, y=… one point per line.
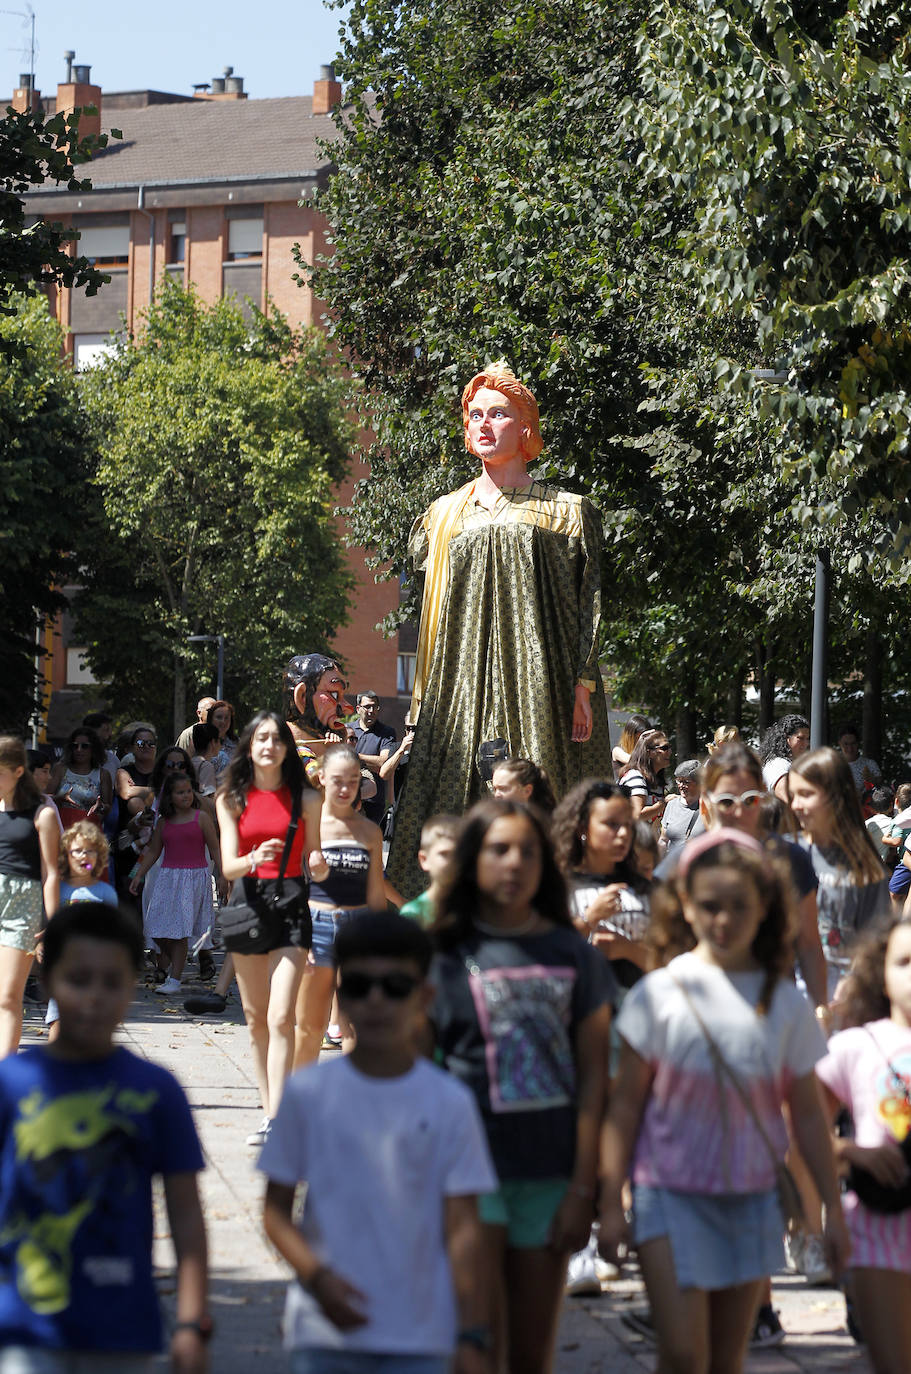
x=696, y=1135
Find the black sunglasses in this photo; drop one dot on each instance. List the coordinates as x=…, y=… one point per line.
x=356, y=986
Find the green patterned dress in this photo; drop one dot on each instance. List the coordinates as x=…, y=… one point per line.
x=517, y=631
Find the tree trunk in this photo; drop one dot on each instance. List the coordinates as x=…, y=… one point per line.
x=686, y=733
x=765, y=676
x=180, y=697
x=734, y=709
x=872, y=726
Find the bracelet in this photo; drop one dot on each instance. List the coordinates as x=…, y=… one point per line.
x=319, y=1272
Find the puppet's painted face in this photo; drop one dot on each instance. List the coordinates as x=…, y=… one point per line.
x=329, y=703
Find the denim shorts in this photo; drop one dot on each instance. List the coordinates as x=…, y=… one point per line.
x=325, y=925
x=718, y=1240
x=318, y=1360
x=526, y=1207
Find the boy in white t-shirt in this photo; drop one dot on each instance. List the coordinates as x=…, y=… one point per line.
x=388, y=1258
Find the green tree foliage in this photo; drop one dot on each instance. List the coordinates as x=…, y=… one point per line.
x=35, y=150
x=220, y=441
x=786, y=129
x=42, y=491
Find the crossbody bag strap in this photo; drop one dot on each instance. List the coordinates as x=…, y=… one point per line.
x=289, y=841
x=725, y=1067
x=897, y=1080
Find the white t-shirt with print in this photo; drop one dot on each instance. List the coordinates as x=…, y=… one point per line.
x=696, y=1134
x=379, y=1157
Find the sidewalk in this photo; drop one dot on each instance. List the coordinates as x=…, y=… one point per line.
x=212, y=1060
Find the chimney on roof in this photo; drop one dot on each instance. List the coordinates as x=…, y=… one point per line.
x=327, y=92
x=77, y=92
x=25, y=97
x=226, y=87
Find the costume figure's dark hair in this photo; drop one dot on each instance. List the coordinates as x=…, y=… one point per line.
x=382, y=935
x=460, y=899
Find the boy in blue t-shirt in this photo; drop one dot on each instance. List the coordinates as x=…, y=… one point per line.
x=84, y=1126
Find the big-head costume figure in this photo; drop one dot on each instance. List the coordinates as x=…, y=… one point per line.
x=508, y=643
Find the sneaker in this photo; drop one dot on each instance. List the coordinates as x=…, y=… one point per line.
x=206, y=966
x=262, y=1132
x=639, y=1319
x=768, y=1331
x=813, y=1263
x=330, y=1042
x=793, y=1251
x=168, y=987
x=607, y=1272
x=581, y=1276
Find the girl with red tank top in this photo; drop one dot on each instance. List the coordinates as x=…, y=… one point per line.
x=183, y=892
x=255, y=806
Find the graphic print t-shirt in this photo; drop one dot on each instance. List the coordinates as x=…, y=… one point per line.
x=696, y=1134
x=79, y=1143
x=868, y=1068
x=506, y=1014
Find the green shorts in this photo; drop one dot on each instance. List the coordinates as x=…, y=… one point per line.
x=526, y=1207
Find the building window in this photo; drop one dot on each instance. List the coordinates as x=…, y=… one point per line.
x=245, y=239
x=105, y=245
x=405, y=674
x=78, y=672
x=91, y=349
x=177, y=241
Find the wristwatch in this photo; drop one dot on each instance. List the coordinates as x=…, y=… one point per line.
x=480, y=1337
x=204, y=1327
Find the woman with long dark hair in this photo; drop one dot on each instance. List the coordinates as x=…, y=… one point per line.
x=522, y=1016
x=643, y=777
x=80, y=784
x=784, y=742
x=262, y=795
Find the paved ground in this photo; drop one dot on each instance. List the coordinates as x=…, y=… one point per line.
x=212, y=1060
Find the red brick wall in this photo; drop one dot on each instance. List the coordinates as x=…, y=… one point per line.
x=206, y=250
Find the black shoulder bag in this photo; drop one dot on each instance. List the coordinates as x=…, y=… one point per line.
x=258, y=908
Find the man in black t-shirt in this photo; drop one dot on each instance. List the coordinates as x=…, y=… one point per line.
x=374, y=743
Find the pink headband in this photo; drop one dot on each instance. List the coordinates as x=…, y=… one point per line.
x=710, y=840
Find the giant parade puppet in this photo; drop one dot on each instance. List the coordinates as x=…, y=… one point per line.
x=508, y=640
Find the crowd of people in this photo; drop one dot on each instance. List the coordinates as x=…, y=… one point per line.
x=595, y=1036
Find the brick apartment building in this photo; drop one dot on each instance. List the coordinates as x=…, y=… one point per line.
x=204, y=188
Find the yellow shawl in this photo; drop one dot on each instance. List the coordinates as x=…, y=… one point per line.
x=444, y=515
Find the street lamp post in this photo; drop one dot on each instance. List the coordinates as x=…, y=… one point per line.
x=220, y=672
x=820, y=670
